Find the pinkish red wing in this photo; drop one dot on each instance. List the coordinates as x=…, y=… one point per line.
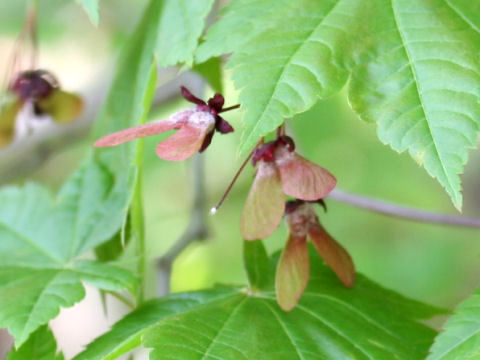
x=333, y=253
x=173, y=122
x=183, y=144
x=303, y=179
x=293, y=272
x=265, y=204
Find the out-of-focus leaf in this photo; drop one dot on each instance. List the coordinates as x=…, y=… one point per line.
x=62, y=106
x=413, y=65
x=8, y=114
x=40, y=346
x=110, y=250
x=244, y=19
x=113, y=248
x=461, y=335
x=211, y=71
x=41, y=237
x=181, y=24
x=91, y=8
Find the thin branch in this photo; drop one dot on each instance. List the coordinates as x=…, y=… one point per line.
x=404, y=212
x=196, y=230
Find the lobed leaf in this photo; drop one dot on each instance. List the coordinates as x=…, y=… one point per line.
x=91, y=8
x=331, y=322
x=461, y=335
x=413, y=67
x=126, y=334
x=40, y=346
x=40, y=240
x=211, y=71
x=41, y=237
x=180, y=27
x=421, y=85
x=244, y=20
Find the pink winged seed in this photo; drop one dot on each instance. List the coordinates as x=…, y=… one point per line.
x=183, y=144
x=265, y=204
x=293, y=272
x=173, y=122
x=303, y=179
x=333, y=254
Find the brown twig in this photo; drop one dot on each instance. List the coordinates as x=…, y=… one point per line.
x=230, y=186
x=404, y=212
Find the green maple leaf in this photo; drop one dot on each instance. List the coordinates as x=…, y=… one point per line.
x=461, y=335
x=40, y=240
x=180, y=27
x=91, y=8
x=40, y=346
x=331, y=322
x=42, y=237
x=413, y=69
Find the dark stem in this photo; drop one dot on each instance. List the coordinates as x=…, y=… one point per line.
x=400, y=211
x=233, y=107
x=214, y=209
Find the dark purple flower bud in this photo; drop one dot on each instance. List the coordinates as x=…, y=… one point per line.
x=222, y=126
x=265, y=153
x=34, y=85
x=190, y=97
x=287, y=141
x=216, y=102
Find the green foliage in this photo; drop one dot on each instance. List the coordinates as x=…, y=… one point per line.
x=257, y=265
x=91, y=8
x=461, y=335
x=113, y=248
x=211, y=70
x=180, y=27
x=244, y=20
x=330, y=321
x=413, y=69
x=126, y=334
x=40, y=346
x=41, y=239
x=44, y=235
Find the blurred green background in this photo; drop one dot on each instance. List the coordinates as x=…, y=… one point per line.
x=436, y=264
